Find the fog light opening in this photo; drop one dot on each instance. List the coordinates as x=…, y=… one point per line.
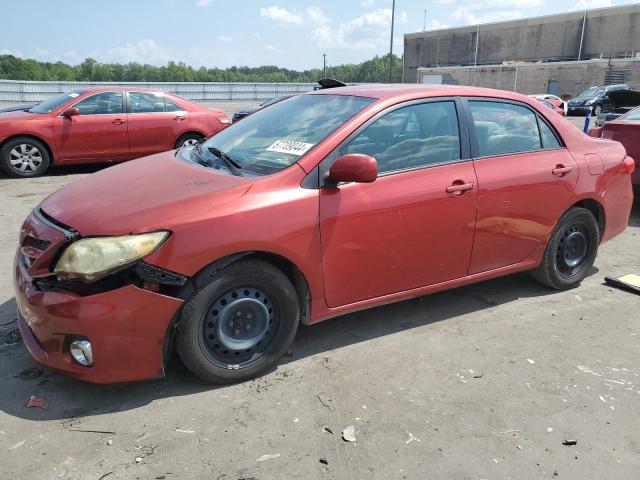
x=81, y=352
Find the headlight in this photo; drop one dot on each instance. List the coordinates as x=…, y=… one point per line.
x=589, y=102
x=93, y=258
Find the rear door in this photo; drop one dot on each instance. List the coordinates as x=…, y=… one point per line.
x=98, y=133
x=526, y=180
x=414, y=225
x=155, y=123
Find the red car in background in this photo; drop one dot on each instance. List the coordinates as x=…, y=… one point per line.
x=626, y=130
x=110, y=124
x=328, y=203
x=552, y=106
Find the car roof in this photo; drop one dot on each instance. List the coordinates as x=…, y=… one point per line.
x=120, y=89
x=390, y=91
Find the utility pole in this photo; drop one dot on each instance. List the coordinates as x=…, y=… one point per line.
x=324, y=65
x=424, y=24
x=393, y=14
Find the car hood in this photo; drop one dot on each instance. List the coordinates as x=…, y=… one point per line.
x=15, y=108
x=143, y=195
x=624, y=98
x=17, y=115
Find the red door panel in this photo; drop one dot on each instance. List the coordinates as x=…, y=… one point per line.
x=92, y=137
x=400, y=232
x=155, y=131
x=520, y=198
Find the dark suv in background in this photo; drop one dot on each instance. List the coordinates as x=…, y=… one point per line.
x=594, y=98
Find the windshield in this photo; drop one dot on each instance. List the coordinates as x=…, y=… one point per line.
x=54, y=102
x=591, y=92
x=272, y=139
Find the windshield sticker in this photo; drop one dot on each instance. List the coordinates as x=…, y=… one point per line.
x=74, y=95
x=289, y=146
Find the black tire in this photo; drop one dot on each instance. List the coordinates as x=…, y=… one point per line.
x=188, y=137
x=571, y=250
x=24, y=157
x=200, y=335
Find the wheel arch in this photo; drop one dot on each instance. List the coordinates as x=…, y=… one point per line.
x=34, y=137
x=596, y=209
x=201, y=278
x=191, y=131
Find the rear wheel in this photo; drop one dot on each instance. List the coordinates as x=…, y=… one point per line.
x=24, y=157
x=571, y=250
x=188, y=140
x=240, y=324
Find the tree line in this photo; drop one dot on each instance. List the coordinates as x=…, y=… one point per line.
x=370, y=71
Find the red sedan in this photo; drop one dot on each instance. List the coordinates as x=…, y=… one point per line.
x=101, y=125
x=626, y=130
x=327, y=203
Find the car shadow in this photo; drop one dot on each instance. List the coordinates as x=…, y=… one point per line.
x=70, y=398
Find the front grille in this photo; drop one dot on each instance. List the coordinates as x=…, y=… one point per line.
x=36, y=243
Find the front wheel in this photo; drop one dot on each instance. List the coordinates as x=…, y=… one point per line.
x=597, y=110
x=24, y=157
x=240, y=324
x=571, y=250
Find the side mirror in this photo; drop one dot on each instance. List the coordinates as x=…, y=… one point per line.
x=354, y=168
x=71, y=112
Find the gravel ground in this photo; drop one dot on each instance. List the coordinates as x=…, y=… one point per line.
x=480, y=382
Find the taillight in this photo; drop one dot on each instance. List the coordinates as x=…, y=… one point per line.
x=629, y=165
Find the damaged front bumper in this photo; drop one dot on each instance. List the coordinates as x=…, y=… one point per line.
x=127, y=325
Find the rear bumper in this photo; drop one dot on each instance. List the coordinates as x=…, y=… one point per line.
x=126, y=327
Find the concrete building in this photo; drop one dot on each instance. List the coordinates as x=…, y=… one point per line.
x=563, y=39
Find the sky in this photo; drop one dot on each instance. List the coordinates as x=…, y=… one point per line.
x=219, y=33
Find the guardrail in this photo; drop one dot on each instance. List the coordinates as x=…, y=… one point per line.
x=32, y=91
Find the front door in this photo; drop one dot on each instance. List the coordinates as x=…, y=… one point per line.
x=99, y=133
x=414, y=225
x=526, y=180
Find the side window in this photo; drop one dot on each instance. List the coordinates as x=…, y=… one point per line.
x=172, y=107
x=549, y=139
x=504, y=128
x=141, y=102
x=101, y=104
x=410, y=137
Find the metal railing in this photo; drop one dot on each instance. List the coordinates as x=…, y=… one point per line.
x=34, y=91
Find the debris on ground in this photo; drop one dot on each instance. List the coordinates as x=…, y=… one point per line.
x=324, y=461
x=16, y=445
x=138, y=459
x=268, y=457
x=531, y=361
x=555, y=473
x=106, y=475
x=327, y=429
x=109, y=442
x=179, y=430
x=412, y=438
x=30, y=373
x=37, y=402
x=478, y=375
x=571, y=441
x=349, y=434
x=82, y=430
x=630, y=282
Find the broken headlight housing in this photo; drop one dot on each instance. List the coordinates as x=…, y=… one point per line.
x=93, y=258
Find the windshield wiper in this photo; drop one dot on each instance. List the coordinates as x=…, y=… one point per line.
x=229, y=162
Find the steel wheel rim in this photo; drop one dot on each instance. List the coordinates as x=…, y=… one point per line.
x=238, y=327
x=25, y=158
x=572, y=250
x=190, y=143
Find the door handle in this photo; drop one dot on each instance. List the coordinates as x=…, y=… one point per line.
x=561, y=170
x=459, y=188
x=179, y=118
x=118, y=121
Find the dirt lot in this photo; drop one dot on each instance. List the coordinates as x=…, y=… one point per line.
x=481, y=382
